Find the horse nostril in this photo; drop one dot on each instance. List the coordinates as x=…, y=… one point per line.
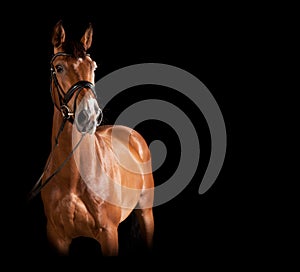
x=82, y=117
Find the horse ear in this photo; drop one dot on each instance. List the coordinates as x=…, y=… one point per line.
x=87, y=37
x=58, y=35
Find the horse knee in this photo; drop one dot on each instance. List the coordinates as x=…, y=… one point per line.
x=108, y=239
x=58, y=244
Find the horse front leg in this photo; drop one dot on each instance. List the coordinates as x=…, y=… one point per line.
x=60, y=244
x=108, y=239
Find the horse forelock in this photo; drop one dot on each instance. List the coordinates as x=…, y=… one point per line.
x=74, y=48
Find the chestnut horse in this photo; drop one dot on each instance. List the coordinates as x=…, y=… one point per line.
x=96, y=175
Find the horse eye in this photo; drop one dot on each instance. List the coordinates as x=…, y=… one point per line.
x=59, y=68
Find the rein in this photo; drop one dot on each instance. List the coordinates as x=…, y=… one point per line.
x=39, y=185
x=64, y=98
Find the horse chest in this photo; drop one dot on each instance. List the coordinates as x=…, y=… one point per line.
x=72, y=215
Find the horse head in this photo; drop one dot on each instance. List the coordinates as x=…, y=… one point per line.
x=73, y=75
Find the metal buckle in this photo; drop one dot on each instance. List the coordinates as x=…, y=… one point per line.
x=66, y=112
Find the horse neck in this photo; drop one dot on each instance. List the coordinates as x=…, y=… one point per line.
x=64, y=142
x=85, y=157
x=62, y=150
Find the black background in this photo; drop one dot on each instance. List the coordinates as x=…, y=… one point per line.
x=220, y=49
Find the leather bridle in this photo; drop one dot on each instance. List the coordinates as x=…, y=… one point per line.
x=65, y=97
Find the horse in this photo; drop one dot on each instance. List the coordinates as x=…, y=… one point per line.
x=96, y=174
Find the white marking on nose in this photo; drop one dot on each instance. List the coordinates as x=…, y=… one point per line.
x=91, y=105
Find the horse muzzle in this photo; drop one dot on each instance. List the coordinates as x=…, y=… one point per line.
x=87, y=122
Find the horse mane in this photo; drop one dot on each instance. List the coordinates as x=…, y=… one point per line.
x=74, y=48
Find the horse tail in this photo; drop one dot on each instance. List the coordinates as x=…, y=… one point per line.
x=135, y=232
